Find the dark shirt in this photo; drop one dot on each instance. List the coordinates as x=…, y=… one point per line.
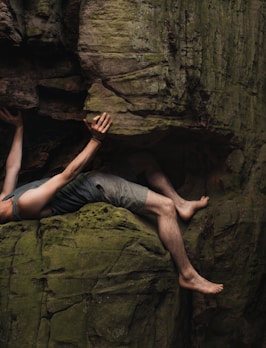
x=69, y=199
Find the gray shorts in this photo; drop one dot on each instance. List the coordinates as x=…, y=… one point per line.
x=119, y=192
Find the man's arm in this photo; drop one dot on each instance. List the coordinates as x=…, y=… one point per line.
x=13, y=162
x=98, y=128
x=32, y=202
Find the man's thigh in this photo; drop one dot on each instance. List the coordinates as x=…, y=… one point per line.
x=120, y=192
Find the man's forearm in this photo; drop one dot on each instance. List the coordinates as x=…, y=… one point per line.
x=13, y=162
x=81, y=160
x=14, y=158
x=99, y=127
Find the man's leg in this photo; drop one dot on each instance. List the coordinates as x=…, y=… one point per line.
x=136, y=198
x=170, y=235
x=157, y=180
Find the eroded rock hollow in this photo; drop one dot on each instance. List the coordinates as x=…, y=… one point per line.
x=184, y=80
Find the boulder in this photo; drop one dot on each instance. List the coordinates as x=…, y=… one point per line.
x=184, y=80
x=99, y=277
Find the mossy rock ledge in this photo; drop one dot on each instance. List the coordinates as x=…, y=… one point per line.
x=99, y=277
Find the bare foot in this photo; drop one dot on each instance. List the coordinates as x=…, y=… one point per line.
x=200, y=284
x=186, y=209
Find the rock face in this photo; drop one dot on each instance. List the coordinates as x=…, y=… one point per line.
x=183, y=79
x=87, y=279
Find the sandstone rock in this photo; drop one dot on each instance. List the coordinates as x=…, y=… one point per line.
x=183, y=79
x=11, y=22
x=99, y=277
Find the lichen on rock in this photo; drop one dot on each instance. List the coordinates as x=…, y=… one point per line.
x=182, y=79
x=95, y=271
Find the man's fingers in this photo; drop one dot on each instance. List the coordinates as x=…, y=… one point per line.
x=100, y=119
x=95, y=119
x=100, y=125
x=102, y=122
x=107, y=125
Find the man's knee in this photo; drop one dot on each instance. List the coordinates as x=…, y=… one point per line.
x=168, y=207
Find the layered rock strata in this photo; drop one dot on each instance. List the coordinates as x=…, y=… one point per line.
x=182, y=79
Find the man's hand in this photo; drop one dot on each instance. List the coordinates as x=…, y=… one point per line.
x=99, y=126
x=13, y=119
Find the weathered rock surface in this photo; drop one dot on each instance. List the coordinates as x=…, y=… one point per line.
x=184, y=79
x=97, y=278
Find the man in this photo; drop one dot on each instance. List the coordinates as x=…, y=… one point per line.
x=69, y=190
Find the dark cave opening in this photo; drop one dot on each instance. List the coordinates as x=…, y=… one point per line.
x=49, y=145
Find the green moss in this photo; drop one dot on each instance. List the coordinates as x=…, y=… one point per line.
x=32, y=31
x=93, y=270
x=44, y=7
x=72, y=332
